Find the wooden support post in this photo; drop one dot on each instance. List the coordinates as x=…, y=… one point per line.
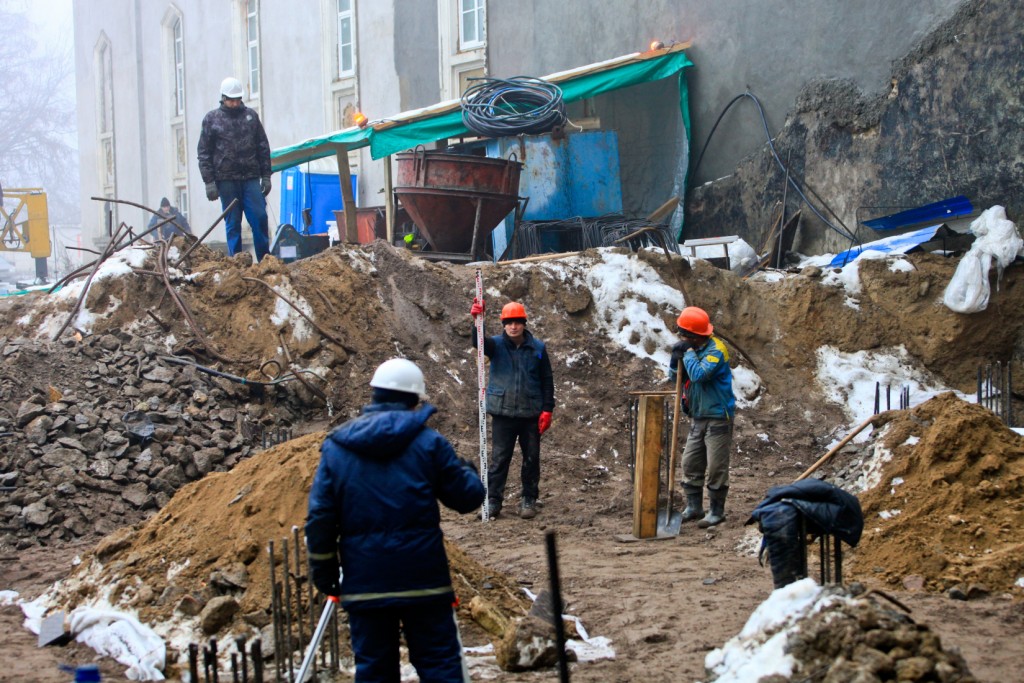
x=650, y=426
x=389, y=201
x=345, y=178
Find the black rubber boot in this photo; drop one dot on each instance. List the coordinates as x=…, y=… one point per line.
x=694, y=505
x=493, y=511
x=716, y=515
x=527, y=509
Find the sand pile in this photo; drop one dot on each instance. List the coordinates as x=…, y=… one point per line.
x=949, y=505
x=211, y=540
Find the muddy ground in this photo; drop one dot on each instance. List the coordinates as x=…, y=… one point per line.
x=664, y=603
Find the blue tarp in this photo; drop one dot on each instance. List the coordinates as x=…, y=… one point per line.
x=937, y=211
x=898, y=244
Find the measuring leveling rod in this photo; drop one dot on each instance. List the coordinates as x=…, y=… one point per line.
x=318, y=635
x=481, y=382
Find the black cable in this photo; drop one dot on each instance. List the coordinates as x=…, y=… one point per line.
x=235, y=378
x=844, y=232
x=499, y=107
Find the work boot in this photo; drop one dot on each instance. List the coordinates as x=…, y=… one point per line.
x=694, y=503
x=716, y=515
x=528, y=509
x=493, y=511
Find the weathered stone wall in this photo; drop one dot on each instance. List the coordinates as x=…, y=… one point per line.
x=949, y=125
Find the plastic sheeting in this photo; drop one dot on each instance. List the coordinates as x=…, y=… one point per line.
x=996, y=240
x=444, y=120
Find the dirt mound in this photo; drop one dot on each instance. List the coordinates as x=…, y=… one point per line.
x=950, y=502
x=211, y=540
x=824, y=635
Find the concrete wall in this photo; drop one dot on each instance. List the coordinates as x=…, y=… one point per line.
x=947, y=125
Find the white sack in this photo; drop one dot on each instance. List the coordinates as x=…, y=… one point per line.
x=996, y=238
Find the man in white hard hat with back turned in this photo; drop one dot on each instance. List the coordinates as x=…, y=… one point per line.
x=373, y=504
x=234, y=160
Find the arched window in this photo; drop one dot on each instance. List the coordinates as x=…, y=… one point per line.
x=104, y=70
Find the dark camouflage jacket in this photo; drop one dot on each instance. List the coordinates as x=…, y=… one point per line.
x=233, y=145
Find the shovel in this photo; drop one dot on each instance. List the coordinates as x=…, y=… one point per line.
x=669, y=520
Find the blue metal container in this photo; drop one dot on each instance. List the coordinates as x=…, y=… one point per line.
x=573, y=175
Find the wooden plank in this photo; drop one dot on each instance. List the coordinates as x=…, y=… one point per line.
x=345, y=178
x=650, y=426
x=389, y=202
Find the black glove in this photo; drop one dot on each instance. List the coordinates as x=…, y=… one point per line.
x=679, y=350
x=470, y=464
x=265, y=185
x=211, y=191
x=325, y=575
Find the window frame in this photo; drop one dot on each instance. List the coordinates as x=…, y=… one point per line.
x=253, y=63
x=178, y=65
x=480, y=24
x=342, y=16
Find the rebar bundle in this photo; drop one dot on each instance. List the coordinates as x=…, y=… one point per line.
x=578, y=233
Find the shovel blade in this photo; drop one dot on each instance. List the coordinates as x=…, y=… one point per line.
x=669, y=522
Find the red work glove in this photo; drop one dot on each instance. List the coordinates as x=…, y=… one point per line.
x=543, y=422
x=477, y=308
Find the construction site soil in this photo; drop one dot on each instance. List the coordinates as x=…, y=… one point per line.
x=949, y=478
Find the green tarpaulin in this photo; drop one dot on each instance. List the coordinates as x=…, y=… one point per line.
x=424, y=128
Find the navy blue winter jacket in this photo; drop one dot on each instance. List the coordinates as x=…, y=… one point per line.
x=374, y=501
x=521, y=383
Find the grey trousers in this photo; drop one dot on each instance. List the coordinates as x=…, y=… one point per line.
x=706, y=455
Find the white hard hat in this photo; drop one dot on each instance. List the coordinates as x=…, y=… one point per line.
x=400, y=374
x=231, y=87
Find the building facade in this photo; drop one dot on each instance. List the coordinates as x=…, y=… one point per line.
x=147, y=71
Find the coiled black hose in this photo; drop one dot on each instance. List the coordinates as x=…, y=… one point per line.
x=498, y=107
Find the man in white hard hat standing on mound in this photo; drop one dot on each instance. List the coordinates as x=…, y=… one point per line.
x=234, y=160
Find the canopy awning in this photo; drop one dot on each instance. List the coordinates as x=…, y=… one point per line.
x=444, y=120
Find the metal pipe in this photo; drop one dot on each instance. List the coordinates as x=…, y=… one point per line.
x=298, y=585
x=193, y=661
x=256, y=650
x=878, y=389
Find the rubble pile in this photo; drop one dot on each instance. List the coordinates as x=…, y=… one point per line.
x=828, y=635
x=861, y=639
x=104, y=432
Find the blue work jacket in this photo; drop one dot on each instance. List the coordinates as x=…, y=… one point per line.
x=709, y=392
x=521, y=383
x=374, y=502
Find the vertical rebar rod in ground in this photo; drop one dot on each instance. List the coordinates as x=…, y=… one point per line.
x=1010, y=396
x=298, y=586
x=988, y=386
x=556, y=604
x=878, y=396
x=1005, y=391
x=234, y=667
x=240, y=646
x=275, y=613
x=256, y=650
x=285, y=572
x=193, y=661
x=996, y=400
x=888, y=397
x=979, y=385
x=213, y=659
x=838, y=551
x=335, y=645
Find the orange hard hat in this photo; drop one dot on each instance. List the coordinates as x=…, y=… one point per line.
x=696, y=321
x=513, y=309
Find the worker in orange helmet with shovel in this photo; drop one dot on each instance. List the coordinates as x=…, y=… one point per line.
x=520, y=400
x=711, y=403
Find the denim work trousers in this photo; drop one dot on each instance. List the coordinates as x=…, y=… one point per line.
x=252, y=202
x=505, y=431
x=707, y=453
x=430, y=632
